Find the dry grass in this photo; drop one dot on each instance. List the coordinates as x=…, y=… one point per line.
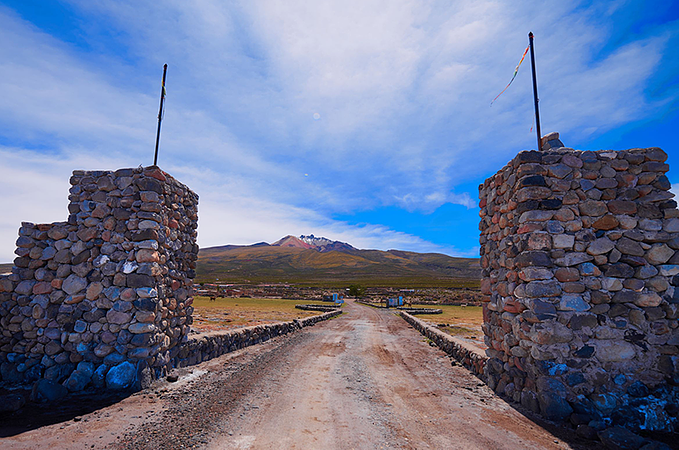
x=458, y=315
x=229, y=313
x=461, y=321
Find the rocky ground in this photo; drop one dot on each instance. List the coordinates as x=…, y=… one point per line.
x=363, y=380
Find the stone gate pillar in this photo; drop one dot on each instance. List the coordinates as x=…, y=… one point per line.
x=580, y=283
x=104, y=298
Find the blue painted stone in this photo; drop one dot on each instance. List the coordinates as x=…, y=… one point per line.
x=618, y=437
x=619, y=323
x=112, y=293
x=114, y=359
x=86, y=367
x=669, y=270
x=575, y=378
x=77, y=381
x=124, y=337
x=586, y=184
x=80, y=326
x=59, y=372
x=554, y=227
x=547, y=384
x=139, y=353
x=557, y=369
x=82, y=347
x=99, y=376
x=584, y=406
x=553, y=406
x=675, y=296
x=573, y=303
x=619, y=379
x=48, y=390
x=588, y=269
x=121, y=376
x=606, y=403
x=638, y=389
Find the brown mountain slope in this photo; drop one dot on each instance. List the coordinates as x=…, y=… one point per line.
x=275, y=264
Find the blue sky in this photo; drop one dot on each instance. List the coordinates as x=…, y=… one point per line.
x=362, y=121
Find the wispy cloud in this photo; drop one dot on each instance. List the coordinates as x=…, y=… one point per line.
x=281, y=114
x=35, y=188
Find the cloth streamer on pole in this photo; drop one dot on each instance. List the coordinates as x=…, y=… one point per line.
x=516, y=71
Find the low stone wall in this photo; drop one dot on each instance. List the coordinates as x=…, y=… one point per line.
x=207, y=346
x=470, y=357
x=316, y=308
x=421, y=310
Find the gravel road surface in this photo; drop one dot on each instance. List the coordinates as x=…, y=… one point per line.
x=364, y=380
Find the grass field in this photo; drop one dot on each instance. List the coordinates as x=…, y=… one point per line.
x=470, y=315
x=332, y=282
x=228, y=313
x=461, y=321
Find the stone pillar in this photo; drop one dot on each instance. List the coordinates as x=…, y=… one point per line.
x=580, y=263
x=105, y=297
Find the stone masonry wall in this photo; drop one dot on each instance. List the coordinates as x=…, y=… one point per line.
x=469, y=356
x=106, y=296
x=206, y=346
x=580, y=260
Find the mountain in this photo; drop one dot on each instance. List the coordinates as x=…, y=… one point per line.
x=319, y=261
x=320, y=244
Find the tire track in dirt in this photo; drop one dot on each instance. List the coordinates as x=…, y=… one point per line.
x=368, y=380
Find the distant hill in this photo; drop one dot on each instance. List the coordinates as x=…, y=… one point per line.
x=319, y=261
x=312, y=242
x=6, y=267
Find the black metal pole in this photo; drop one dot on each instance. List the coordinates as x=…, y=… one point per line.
x=160, y=115
x=535, y=91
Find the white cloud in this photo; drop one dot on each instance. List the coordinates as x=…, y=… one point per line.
x=402, y=88
x=430, y=202
x=36, y=190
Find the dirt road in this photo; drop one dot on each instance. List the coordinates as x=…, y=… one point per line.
x=365, y=380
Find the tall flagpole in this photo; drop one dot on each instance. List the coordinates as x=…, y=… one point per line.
x=535, y=92
x=160, y=115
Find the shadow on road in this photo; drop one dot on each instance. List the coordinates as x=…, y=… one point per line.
x=568, y=435
x=36, y=415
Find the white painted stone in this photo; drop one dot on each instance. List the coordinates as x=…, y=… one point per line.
x=129, y=267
